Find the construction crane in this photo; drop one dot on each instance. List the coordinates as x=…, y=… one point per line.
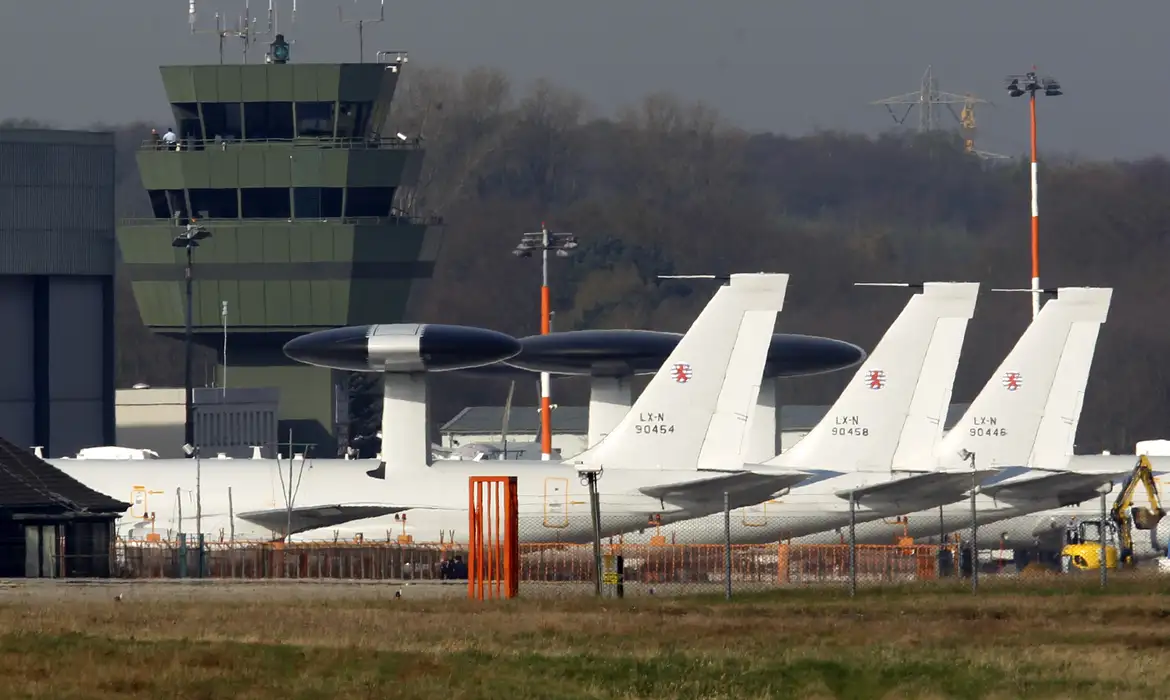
x=1083, y=549
x=928, y=99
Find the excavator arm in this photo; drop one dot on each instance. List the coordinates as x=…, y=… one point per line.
x=1124, y=515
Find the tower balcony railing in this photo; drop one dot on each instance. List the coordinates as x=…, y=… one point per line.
x=377, y=143
x=396, y=217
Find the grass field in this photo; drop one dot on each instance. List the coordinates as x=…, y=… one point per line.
x=1033, y=640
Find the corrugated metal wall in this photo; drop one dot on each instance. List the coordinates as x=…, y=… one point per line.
x=76, y=364
x=16, y=360
x=56, y=263
x=56, y=203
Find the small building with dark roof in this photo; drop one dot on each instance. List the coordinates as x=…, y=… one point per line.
x=51, y=525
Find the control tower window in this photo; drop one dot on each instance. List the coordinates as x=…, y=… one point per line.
x=369, y=201
x=222, y=120
x=177, y=203
x=353, y=119
x=266, y=203
x=268, y=120
x=219, y=204
x=158, y=204
x=315, y=119
x=317, y=202
x=186, y=120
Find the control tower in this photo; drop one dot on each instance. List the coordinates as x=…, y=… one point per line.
x=285, y=165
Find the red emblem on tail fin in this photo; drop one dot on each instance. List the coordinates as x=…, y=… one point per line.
x=1012, y=380
x=681, y=372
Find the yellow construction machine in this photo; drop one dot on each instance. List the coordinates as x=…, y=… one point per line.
x=1082, y=549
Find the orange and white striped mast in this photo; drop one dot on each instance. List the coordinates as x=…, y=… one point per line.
x=561, y=243
x=545, y=379
x=1017, y=86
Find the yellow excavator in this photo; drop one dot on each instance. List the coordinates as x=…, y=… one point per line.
x=1082, y=549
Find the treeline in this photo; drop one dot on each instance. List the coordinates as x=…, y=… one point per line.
x=668, y=186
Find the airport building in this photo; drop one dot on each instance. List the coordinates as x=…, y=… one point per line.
x=228, y=422
x=51, y=525
x=285, y=166
x=57, y=289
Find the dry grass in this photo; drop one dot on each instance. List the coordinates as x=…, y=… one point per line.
x=1054, y=639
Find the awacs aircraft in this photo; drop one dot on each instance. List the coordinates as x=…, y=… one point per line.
x=674, y=454
x=1031, y=441
x=910, y=468
x=888, y=414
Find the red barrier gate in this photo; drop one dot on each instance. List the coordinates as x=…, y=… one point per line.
x=493, y=554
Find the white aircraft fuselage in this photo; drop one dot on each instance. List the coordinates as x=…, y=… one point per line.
x=553, y=501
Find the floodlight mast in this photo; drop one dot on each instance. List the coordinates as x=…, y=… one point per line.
x=562, y=244
x=1017, y=85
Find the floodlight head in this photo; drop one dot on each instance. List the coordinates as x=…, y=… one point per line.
x=1015, y=92
x=1053, y=92
x=562, y=253
x=965, y=454
x=189, y=449
x=401, y=136
x=522, y=252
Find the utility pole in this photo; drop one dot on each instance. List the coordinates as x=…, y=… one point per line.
x=561, y=244
x=1030, y=84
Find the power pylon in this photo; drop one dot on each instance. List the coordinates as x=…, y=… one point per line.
x=930, y=100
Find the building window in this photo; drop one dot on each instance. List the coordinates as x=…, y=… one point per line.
x=317, y=202
x=315, y=119
x=353, y=119
x=266, y=203
x=222, y=120
x=369, y=201
x=268, y=120
x=219, y=204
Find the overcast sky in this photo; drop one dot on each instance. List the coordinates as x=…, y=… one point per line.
x=780, y=65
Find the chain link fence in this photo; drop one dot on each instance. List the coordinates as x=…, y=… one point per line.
x=739, y=550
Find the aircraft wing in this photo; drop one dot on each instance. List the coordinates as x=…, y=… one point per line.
x=918, y=491
x=745, y=487
x=320, y=515
x=1069, y=488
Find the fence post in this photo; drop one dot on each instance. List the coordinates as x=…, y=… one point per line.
x=852, y=544
x=727, y=544
x=974, y=532
x=1102, y=531
x=595, y=511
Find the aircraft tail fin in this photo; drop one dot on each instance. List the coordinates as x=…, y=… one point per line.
x=862, y=430
x=1048, y=366
x=923, y=429
x=696, y=406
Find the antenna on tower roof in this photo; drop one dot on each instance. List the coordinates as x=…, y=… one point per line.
x=245, y=28
x=361, y=23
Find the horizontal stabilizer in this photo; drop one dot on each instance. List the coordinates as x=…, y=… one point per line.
x=1068, y=488
x=306, y=518
x=744, y=488
x=919, y=491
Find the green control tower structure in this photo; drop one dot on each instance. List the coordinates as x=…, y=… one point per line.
x=285, y=166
